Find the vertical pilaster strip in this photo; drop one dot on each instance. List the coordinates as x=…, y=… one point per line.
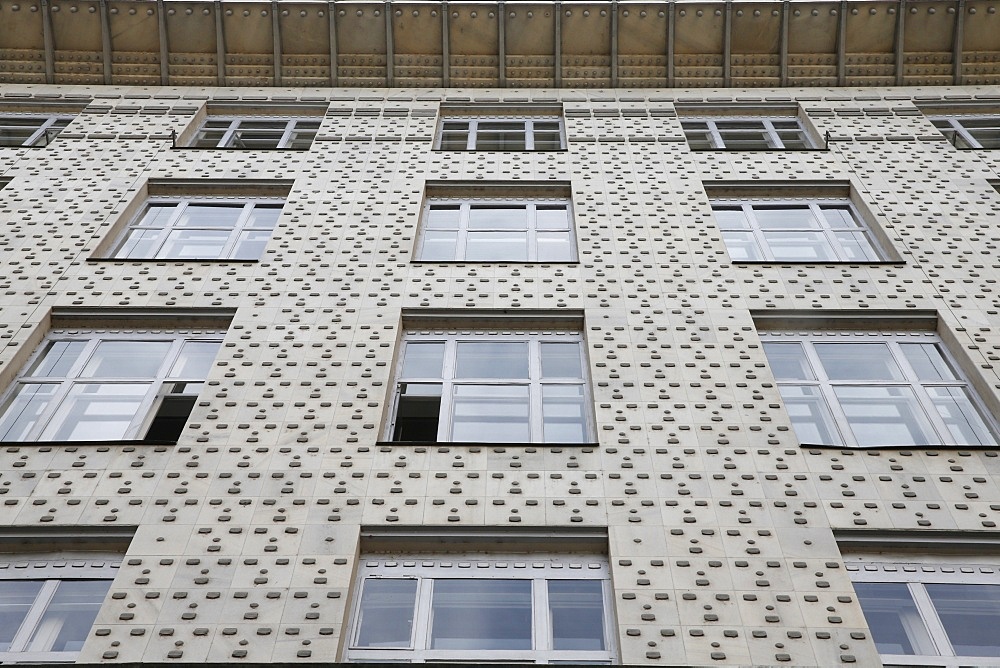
x=276, y=41
x=727, y=45
x=49, y=43
x=390, y=56
x=220, y=45
x=161, y=24
x=106, y=41
x=331, y=19
x=783, y=53
x=842, y=45
x=900, y=52
x=957, y=46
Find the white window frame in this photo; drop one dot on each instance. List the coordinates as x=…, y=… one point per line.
x=47, y=123
x=539, y=568
x=534, y=383
x=838, y=419
x=767, y=131
x=241, y=225
x=953, y=128
x=231, y=133
x=51, y=571
x=526, y=122
x=159, y=387
x=531, y=205
x=915, y=575
x=815, y=207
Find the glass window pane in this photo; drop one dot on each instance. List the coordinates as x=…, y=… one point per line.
x=577, y=612
x=126, y=359
x=443, y=216
x=492, y=359
x=893, y=618
x=800, y=247
x=157, y=215
x=387, y=610
x=423, y=360
x=495, y=413
x=745, y=141
x=960, y=415
x=97, y=412
x=810, y=415
x=141, y=244
x=785, y=217
x=195, y=360
x=731, y=218
x=439, y=246
x=858, y=361
x=16, y=597
x=788, y=361
x=487, y=140
x=194, y=244
x=264, y=216
x=454, y=140
x=210, y=215
x=58, y=358
x=250, y=245
x=481, y=615
x=927, y=361
x=839, y=217
x=554, y=247
x=69, y=615
x=561, y=360
x=551, y=217
x=742, y=247
x=496, y=246
x=885, y=416
x=498, y=217
x=856, y=247
x=970, y=615
x=24, y=409
x=564, y=414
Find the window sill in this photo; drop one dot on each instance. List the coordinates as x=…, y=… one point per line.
x=498, y=262
x=493, y=150
x=171, y=260
x=940, y=446
x=758, y=150
x=891, y=263
x=465, y=444
x=236, y=150
x=9, y=444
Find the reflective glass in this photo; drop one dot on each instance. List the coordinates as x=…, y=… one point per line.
x=892, y=616
x=250, y=245
x=960, y=415
x=481, y=615
x=927, y=361
x=387, y=610
x=800, y=247
x=561, y=360
x=564, y=414
x=264, y=216
x=785, y=217
x=810, y=415
x=495, y=413
x=97, y=412
x=742, y=246
x=839, y=217
x=68, y=617
x=209, y=215
x=126, y=359
x=551, y=217
x=731, y=218
x=970, y=615
x=16, y=597
x=553, y=247
x=788, y=361
x=423, y=360
x=444, y=216
x=141, y=243
x=496, y=246
x=858, y=361
x=576, y=608
x=439, y=246
x=885, y=416
x=193, y=244
x=195, y=360
x=492, y=359
x=498, y=217
x=58, y=358
x=24, y=409
x=856, y=247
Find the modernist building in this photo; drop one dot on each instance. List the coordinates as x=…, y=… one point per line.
x=599, y=332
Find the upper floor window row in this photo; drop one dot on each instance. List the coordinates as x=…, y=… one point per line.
x=248, y=133
x=970, y=132
x=785, y=133
x=31, y=129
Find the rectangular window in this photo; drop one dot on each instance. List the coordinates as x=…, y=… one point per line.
x=813, y=230
x=200, y=228
x=876, y=389
x=930, y=611
x=108, y=385
x=497, y=223
x=969, y=131
x=531, y=608
x=489, y=386
x=30, y=129
x=48, y=604
x=752, y=133
x=544, y=133
x=250, y=133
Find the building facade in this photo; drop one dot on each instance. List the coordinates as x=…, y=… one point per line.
x=578, y=373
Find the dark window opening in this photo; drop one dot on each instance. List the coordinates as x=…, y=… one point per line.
x=417, y=413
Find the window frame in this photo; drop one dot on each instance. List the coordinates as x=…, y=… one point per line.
x=51, y=570
x=956, y=128
x=531, y=205
x=48, y=123
x=815, y=206
x=838, y=421
x=534, y=382
x=230, y=134
x=767, y=132
x=54, y=413
x=527, y=121
x=181, y=203
x=915, y=574
x=427, y=568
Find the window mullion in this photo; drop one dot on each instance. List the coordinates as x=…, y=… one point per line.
x=757, y=231
x=447, y=410
x=424, y=615
x=471, y=142
x=829, y=395
x=920, y=392
x=713, y=128
x=535, y=421
x=928, y=613
x=228, y=135
x=462, y=242
x=531, y=232
x=529, y=135
x=31, y=620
